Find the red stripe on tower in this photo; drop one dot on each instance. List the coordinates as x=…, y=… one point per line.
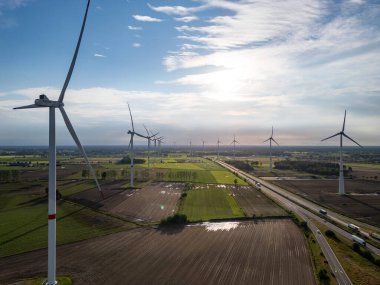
x=51, y=217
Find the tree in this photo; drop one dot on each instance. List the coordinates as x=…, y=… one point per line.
x=104, y=175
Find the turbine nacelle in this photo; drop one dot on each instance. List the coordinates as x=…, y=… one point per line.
x=44, y=101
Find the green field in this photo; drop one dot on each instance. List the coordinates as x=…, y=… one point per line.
x=359, y=270
x=23, y=221
x=210, y=203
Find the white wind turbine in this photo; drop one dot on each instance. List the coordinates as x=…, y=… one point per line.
x=41, y=102
x=149, y=137
x=234, y=142
x=203, y=146
x=130, y=146
x=342, y=134
x=218, y=143
x=270, y=149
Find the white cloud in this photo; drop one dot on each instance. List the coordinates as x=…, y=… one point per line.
x=187, y=19
x=146, y=18
x=133, y=28
x=99, y=55
x=175, y=10
x=136, y=45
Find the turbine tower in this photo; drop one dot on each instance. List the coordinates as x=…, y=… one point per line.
x=42, y=102
x=149, y=137
x=234, y=142
x=341, y=134
x=218, y=143
x=270, y=149
x=130, y=146
x=203, y=146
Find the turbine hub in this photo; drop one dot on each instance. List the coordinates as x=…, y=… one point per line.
x=44, y=101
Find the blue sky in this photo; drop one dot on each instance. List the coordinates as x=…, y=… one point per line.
x=193, y=70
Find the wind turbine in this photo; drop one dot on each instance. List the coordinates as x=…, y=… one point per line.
x=130, y=146
x=42, y=102
x=149, y=137
x=270, y=149
x=191, y=150
x=341, y=134
x=218, y=142
x=234, y=142
x=203, y=146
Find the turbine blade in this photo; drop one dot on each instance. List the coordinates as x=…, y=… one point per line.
x=351, y=139
x=275, y=141
x=141, y=136
x=68, y=77
x=79, y=145
x=130, y=113
x=146, y=132
x=272, y=132
x=344, y=121
x=28, y=107
x=267, y=139
x=337, y=134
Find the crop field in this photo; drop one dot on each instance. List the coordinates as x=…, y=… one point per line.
x=151, y=203
x=362, y=204
x=269, y=252
x=210, y=202
x=254, y=203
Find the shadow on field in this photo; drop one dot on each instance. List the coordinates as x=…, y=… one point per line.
x=363, y=203
x=170, y=230
x=36, y=228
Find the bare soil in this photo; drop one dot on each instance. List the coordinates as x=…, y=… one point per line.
x=255, y=203
x=265, y=252
x=361, y=203
x=151, y=203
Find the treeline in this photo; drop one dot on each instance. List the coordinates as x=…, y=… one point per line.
x=127, y=160
x=314, y=167
x=182, y=176
x=244, y=165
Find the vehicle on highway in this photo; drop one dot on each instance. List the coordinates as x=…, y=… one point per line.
x=375, y=235
x=258, y=185
x=323, y=212
x=358, y=240
x=353, y=227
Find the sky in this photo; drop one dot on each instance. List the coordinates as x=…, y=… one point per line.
x=193, y=70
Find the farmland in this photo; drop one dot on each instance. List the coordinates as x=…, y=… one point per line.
x=206, y=203
x=264, y=252
x=362, y=204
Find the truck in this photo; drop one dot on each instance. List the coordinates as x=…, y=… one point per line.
x=323, y=212
x=358, y=240
x=375, y=236
x=353, y=227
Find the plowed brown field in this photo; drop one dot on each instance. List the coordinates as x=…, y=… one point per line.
x=362, y=203
x=264, y=252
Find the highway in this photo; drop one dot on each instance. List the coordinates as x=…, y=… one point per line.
x=310, y=206
x=294, y=204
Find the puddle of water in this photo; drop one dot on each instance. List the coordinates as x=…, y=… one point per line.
x=224, y=226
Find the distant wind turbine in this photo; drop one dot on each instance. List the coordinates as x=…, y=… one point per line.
x=270, y=149
x=41, y=102
x=234, y=142
x=130, y=146
x=218, y=143
x=203, y=146
x=149, y=136
x=342, y=134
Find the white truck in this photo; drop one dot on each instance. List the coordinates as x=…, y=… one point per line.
x=358, y=240
x=353, y=227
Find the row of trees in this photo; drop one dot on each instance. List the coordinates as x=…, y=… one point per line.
x=183, y=175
